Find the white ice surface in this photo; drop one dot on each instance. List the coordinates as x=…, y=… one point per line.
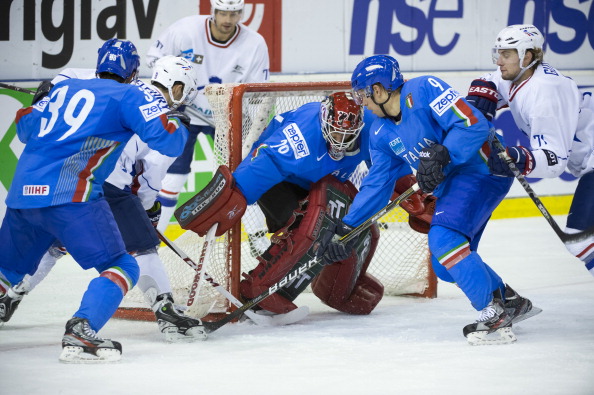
x=406, y=346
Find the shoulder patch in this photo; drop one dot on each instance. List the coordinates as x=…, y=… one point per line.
x=151, y=110
x=444, y=101
x=296, y=141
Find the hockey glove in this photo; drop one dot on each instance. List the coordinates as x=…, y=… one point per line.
x=483, y=96
x=182, y=117
x=330, y=249
x=154, y=213
x=521, y=156
x=431, y=163
x=42, y=91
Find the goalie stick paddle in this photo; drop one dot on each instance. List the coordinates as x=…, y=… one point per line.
x=566, y=238
x=258, y=319
x=16, y=88
x=213, y=326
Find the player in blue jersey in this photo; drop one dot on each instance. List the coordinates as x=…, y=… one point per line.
x=130, y=190
x=426, y=125
x=73, y=138
x=300, y=166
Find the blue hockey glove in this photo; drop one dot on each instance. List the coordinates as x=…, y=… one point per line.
x=154, y=213
x=431, y=163
x=183, y=117
x=330, y=249
x=483, y=96
x=521, y=156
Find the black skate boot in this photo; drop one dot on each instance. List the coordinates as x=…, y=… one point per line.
x=494, y=325
x=81, y=344
x=9, y=303
x=174, y=324
x=520, y=308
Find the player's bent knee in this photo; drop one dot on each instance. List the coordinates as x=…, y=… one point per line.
x=123, y=272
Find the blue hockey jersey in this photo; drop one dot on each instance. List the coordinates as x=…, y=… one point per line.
x=292, y=148
x=75, y=135
x=432, y=113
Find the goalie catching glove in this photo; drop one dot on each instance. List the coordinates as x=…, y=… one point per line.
x=420, y=206
x=219, y=202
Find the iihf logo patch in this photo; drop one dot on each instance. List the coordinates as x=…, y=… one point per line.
x=397, y=146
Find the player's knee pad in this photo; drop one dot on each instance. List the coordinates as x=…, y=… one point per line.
x=346, y=286
x=219, y=202
x=123, y=272
x=447, y=246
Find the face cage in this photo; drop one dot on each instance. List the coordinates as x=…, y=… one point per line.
x=349, y=136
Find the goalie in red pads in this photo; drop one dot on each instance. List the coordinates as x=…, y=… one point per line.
x=297, y=150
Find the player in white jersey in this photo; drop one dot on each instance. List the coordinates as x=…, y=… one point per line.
x=130, y=190
x=224, y=51
x=551, y=111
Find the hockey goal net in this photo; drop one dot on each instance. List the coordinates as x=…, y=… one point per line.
x=241, y=112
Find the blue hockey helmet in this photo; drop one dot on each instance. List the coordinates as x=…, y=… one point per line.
x=118, y=57
x=382, y=69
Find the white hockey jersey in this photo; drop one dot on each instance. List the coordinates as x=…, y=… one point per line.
x=559, y=122
x=138, y=168
x=243, y=58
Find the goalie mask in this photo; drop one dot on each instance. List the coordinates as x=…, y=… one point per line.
x=521, y=38
x=170, y=70
x=341, y=120
x=118, y=57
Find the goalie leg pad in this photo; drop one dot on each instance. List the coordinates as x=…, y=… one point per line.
x=219, y=202
x=346, y=286
x=294, y=245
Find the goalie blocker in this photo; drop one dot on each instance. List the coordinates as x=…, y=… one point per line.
x=218, y=202
x=345, y=285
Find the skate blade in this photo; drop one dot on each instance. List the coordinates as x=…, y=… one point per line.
x=534, y=311
x=483, y=338
x=191, y=335
x=74, y=354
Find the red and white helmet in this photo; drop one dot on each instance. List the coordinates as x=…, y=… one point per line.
x=520, y=38
x=171, y=69
x=341, y=121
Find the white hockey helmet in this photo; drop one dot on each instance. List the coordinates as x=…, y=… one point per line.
x=171, y=69
x=520, y=38
x=227, y=5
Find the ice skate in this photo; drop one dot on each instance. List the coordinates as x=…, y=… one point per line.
x=81, y=344
x=520, y=308
x=174, y=324
x=9, y=303
x=494, y=326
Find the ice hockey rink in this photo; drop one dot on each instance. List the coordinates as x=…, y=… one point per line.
x=406, y=346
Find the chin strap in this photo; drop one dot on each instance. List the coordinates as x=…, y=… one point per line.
x=523, y=70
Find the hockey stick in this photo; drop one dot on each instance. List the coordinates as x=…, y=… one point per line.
x=200, y=268
x=213, y=326
x=566, y=238
x=16, y=88
x=257, y=318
